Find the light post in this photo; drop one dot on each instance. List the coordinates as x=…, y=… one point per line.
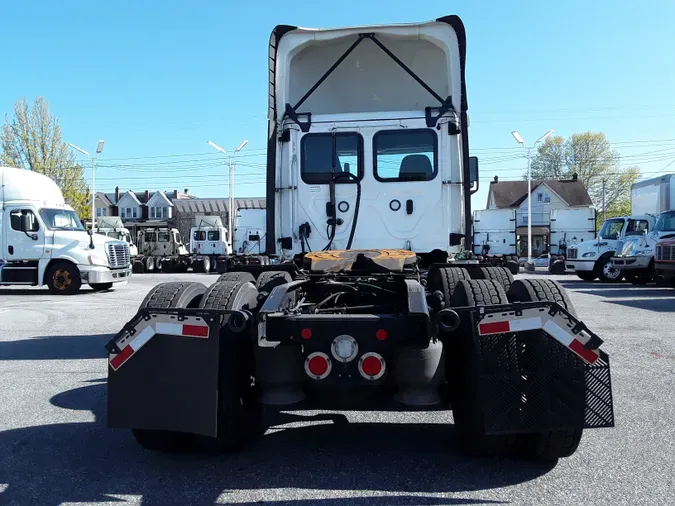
x=99, y=148
x=230, y=204
x=520, y=141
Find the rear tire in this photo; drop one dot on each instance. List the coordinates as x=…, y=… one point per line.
x=513, y=266
x=165, y=296
x=445, y=279
x=555, y=444
x=464, y=373
x=268, y=280
x=239, y=413
x=236, y=276
x=499, y=274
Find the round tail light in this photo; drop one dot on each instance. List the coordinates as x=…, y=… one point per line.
x=317, y=365
x=372, y=366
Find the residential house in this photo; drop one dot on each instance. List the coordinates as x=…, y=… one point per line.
x=545, y=195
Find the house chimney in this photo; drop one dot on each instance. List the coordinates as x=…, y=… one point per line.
x=175, y=194
x=496, y=179
x=147, y=196
x=186, y=191
x=117, y=194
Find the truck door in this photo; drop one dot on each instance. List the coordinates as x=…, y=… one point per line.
x=22, y=248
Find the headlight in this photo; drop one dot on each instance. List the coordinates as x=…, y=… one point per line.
x=589, y=254
x=97, y=260
x=628, y=248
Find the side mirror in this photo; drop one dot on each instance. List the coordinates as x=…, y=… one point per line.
x=473, y=170
x=24, y=223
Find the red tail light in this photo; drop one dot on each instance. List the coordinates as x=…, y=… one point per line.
x=372, y=366
x=306, y=333
x=318, y=365
x=381, y=335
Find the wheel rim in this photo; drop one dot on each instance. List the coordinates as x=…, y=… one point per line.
x=610, y=272
x=62, y=279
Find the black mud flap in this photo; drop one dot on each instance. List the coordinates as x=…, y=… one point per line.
x=548, y=375
x=163, y=371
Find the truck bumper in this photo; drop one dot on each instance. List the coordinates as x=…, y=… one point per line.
x=96, y=274
x=580, y=265
x=665, y=268
x=631, y=262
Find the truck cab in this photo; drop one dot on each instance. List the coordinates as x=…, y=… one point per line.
x=249, y=232
x=208, y=237
x=158, y=242
x=593, y=259
x=114, y=228
x=43, y=241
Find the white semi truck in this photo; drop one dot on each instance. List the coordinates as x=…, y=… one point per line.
x=249, y=232
x=635, y=258
x=369, y=185
x=112, y=226
x=209, y=239
x=43, y=241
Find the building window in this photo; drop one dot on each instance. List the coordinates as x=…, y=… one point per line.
x=101, y=211
x=540, y=197
x=123, y=213
x=158, y=212
x=547, y=197
x=135, y=212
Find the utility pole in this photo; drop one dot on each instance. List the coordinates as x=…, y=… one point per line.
x=230, y=201
x=604, y=209
x=520, y=141
x=99, y=148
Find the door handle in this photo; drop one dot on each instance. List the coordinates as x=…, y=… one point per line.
x=10, y=249
x=409, y=206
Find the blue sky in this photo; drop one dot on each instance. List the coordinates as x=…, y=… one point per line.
x=156, y=80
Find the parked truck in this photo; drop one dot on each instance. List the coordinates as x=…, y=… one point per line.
x=112, y=226
x=43, y=241
x=664, y=258
x=249, y=232
x=365, y=311
x=209, y=239
x=655, y=196
x=161, y=249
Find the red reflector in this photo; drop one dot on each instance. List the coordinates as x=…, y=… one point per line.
x=578, y=348
x=381, y=335
x=494, y=328
x=371, y=366
x=306, y=333
x=195, y=330
x=121, y=357
x=318, y=365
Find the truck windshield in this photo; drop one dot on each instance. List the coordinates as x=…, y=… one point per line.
x=199, y=235
x=214, y=235
x=61, y=219
x=665, y=222
x=163, y=237
x=611, y=229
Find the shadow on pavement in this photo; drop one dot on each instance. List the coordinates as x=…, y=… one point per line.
x=87, y=462
x=632, y=291
x=85, y=290
x=661, y=305
x=55, y=348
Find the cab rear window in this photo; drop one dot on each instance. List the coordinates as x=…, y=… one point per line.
x=405, y=155
x=325, y=155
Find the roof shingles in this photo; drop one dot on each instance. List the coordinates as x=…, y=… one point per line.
x=513, y=193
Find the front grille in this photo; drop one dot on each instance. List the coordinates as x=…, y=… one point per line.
x=665, y=252
x=572, y=253
x=118, y=254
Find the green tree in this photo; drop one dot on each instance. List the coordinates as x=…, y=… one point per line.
x=31, y=140
x=591, y=157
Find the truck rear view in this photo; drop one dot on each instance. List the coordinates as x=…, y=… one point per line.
x=369, y=188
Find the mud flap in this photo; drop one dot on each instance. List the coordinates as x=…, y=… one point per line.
x=163, y=371
x=539, y=369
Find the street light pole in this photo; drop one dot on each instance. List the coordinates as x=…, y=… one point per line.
x=521, y=141
x=230, y=200
x=99, y=148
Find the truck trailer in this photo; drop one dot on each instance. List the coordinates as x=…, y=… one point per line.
x=371, y=306
x=43, y=241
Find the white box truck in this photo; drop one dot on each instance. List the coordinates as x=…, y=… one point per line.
x=653, y=196
x=43, y=241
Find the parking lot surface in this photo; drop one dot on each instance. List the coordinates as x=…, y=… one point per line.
x=55, y=448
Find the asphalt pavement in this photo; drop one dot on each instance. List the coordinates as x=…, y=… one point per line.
x=55, y=448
